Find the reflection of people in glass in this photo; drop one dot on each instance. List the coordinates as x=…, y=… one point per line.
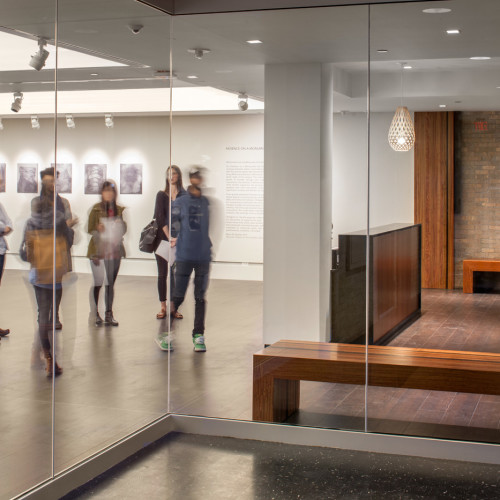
x=27, y=181
x=63, y=206
x=40, y=245
x=190, y=224
x=172, y=191
x=5, y=229
x=107, y=227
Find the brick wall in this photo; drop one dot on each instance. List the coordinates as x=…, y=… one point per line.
x=477, y=187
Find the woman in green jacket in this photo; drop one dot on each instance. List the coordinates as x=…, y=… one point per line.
x=107, y=227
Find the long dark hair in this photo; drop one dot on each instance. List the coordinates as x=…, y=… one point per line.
x=106, y=205
x=179, y=186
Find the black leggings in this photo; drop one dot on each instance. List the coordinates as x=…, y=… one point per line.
x=163, y=270
x=45, y=305
x=107, y=268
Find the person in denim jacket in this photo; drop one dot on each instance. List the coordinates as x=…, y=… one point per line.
x=190, y=225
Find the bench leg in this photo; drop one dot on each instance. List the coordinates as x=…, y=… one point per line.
x=274, y=399
x=263, y=391
x=468, y=279
x=286, y=399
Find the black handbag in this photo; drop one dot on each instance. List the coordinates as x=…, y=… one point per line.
x=148, y=237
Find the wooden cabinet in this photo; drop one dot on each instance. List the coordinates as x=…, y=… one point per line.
x=394, y=286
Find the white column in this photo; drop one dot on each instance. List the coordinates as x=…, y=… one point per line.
x=297, y=202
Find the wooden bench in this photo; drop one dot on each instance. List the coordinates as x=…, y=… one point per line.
x=470, y=265
x=278, y=370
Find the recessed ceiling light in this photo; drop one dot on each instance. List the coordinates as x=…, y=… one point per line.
x=442, y=105
x=254, y=41
x=94, y=74
x=436, y=10
x=192, y=77
x=480, y=58
x=453, y=32
x=407, y=66
x=382, y=51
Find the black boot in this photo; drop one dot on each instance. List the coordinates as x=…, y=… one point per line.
x=109, y=320
x=98, y=319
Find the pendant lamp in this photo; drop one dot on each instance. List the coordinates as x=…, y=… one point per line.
x=401, y=132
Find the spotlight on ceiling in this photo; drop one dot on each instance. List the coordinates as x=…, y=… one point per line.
x=242, y=101
x=17, y=103
x=199, y=53
x=35, y=123
x=1, y=124
x=108, y=120
x=39, y=58
x=70, y=122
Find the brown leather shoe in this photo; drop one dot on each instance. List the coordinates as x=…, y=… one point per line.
x=4, y=333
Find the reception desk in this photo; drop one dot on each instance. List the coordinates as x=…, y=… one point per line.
x=394, y=285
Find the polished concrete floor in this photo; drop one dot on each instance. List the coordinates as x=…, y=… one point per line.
x=116, y=380
x=195, y=467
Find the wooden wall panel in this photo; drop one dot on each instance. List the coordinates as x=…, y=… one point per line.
x=432, y=197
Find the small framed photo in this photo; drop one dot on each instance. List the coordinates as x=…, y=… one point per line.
x=64, y=180
x=27, y=178
x=131, y=178
x=95, y=175
x=3, y=179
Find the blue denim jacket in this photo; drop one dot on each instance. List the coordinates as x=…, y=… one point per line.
x=190, y=216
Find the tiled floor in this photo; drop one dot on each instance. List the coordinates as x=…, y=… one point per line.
x=194, y=467
x=450, y=320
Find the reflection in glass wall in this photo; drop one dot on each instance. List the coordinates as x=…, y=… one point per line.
x=269, y=214
x=113, y=150
x=433, y=285
x=27, y=344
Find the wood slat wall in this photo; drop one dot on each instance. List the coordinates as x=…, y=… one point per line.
x=434, y=196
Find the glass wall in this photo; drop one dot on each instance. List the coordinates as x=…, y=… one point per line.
x=299, y=232
x=439, y=61
x=269, y=189
x=26, y=393
x=113, y=149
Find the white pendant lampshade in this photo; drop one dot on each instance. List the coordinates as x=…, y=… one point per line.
x=402, y=132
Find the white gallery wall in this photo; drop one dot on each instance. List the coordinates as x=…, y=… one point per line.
x=229, y=147
x=391, y=175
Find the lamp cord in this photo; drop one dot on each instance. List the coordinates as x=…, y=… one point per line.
x=402, y=88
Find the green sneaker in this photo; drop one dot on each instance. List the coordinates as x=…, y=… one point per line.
x=199, y=343
x=164, y=343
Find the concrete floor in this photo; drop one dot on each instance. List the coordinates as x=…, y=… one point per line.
x=192, y=467
x=116, y=380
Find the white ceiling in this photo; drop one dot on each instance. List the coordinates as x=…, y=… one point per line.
x=442, y=71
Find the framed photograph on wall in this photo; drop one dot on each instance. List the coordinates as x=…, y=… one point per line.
x=95, y=175
x=3, y=180
x=130, y=178
x=64, y=181
x=27, y=178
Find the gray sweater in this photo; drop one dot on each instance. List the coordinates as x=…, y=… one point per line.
x=4, y=222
